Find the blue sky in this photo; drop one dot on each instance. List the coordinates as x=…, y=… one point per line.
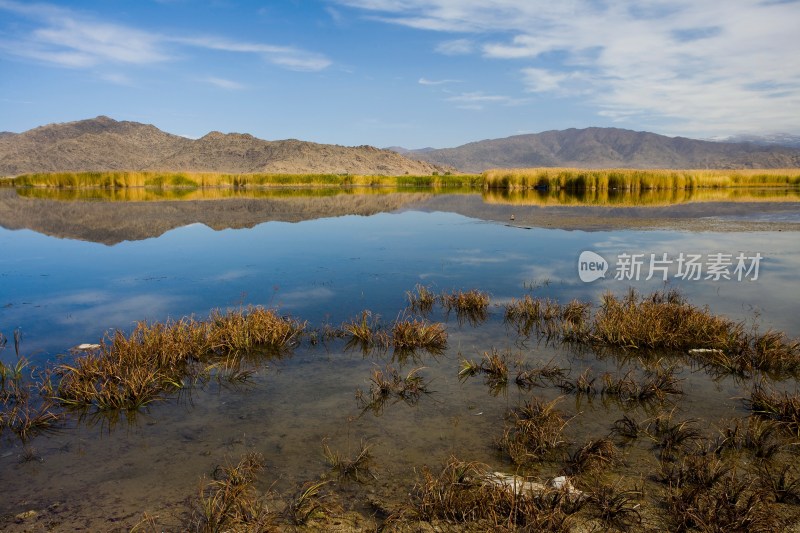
x=412, y=73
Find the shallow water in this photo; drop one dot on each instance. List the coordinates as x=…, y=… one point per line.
x=63, y=291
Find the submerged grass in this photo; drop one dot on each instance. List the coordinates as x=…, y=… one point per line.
x=533, y=431
x=388, y=384
x=357, y=468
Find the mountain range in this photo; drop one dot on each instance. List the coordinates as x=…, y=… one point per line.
x=102, y=143
x=607, y=148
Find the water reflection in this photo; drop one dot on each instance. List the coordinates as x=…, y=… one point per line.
x=645, y=197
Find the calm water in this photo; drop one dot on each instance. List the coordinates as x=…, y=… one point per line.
x=62, y=288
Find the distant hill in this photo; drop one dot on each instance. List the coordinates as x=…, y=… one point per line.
x=106, y=144
x=608, y=147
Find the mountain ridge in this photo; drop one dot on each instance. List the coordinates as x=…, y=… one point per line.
x=607, y=148
x=105, y=144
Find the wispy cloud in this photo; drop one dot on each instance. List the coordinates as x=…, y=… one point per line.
x=222, y=83
x=455, y=47
x=285, y=56
x=700, y=66
x=71, y=39
x=476, y=100
x=425, y=81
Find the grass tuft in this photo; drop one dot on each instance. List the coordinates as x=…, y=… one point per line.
x=533, y=431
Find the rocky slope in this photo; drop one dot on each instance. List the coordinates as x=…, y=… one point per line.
x=106, y=144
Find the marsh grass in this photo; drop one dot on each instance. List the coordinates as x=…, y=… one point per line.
x=388, y=384
x=615, y=507
x=417, y=333
x=494, y=366
x=422, y=300
x=782, y=482
x=540, y=375
x=672, y=437
x=728, y=503
x=307, y=503
x=229, y=501
x=357, y=468
x=406, y=334
x=761, y=437
x=23, y=410
x=634, y=179
x=664, y=320
x=194, y=180
x=533, y=431
x=596, y=454
x=155, y=360
x=459, y=494
x=470, y=306
x=783, y=408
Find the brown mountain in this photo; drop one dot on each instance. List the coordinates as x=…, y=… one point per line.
x=608, y=148
x=106, y=144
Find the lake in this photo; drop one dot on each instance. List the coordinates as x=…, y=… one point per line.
x=75, y=268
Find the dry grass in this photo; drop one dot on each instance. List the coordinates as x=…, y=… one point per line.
x=405, y=334
x=592, y=456
x=460, y=494
x=533, y=431
x=388, y=384
x=471, y=306
x=189, y=180
x=363, y=330
x=22, y=410
x=726, y=503
x=755, y=435
x=128, y=372
x=662, y=320
x=306, y=504
x=616, y=508
x=633, y=179
x=229, y=502
x=417, y=333
x=356, y=468
x=494, y=366
x=540, y=375
x=422, y=300
x=784, y=407
x=672, y=437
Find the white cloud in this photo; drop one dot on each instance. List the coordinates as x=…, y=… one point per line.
x=286, y=56
x=477, y=99
x=425, y=81
x=222, y=83
x=539, y=80
x=455, y=47
x=70, y=39
x=701, y=66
